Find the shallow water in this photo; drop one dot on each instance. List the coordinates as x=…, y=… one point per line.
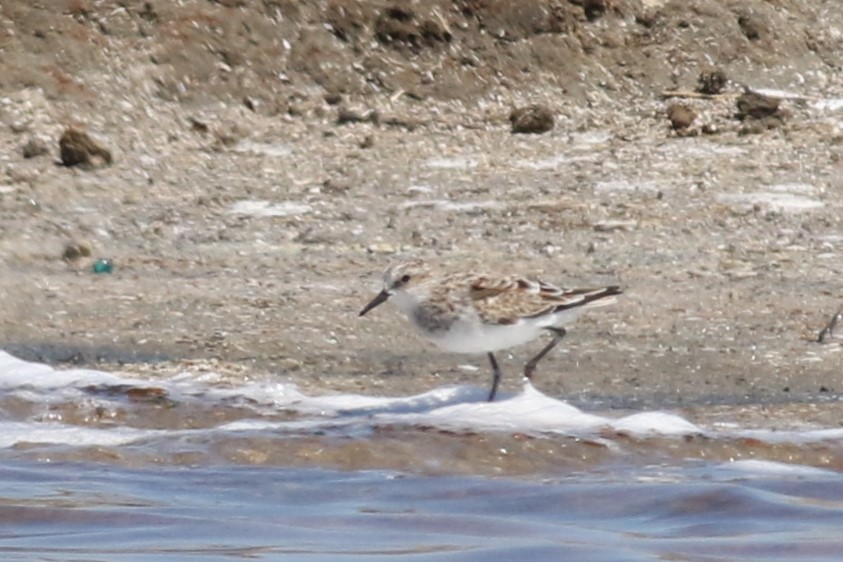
x=756, y=511
x=100, y=466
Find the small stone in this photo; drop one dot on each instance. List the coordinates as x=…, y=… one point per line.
x=615, y=225
x=335, y=186
x=79, y=149
x=250, y=103
x=753, y=26
x=148, y=13
x=681, y=116
x=348, y=115
x=76, y=249
x=227, y=135
x=367, y=142
x=534, y=119
x=382, y=248
x=757, y=106
x=333, y=98
x=296, y=110
x=19, y=127
x=198, y=126
x=34, y=147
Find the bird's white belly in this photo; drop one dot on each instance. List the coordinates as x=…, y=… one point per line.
x=469, y=337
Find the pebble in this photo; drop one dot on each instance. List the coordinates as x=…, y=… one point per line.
x=681, y=116
x=534, y=119
x=34, y=147
x=79, y=149
x=76, y=249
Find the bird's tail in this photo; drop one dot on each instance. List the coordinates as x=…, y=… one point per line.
x=601, y=297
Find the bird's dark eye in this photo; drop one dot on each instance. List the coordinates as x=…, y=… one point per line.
x=405, y=278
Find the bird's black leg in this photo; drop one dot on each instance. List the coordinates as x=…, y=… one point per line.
x=530, y=367
x=496, y=376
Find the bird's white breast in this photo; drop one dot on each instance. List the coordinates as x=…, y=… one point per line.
x=470, y=337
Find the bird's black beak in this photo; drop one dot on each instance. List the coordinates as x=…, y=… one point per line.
x=379, y=299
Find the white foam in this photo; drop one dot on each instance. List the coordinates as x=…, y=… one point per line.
x=37, y=382
x=530, y=411
x=459, y=408
x=15, y=433
x=656, y=423
x=754, y=467
x=804, y=436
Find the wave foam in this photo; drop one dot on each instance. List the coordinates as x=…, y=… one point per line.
x=452, y=408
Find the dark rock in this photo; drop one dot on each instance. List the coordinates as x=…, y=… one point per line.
x=534, y=119
x=756, y=106
x=79, y=149
x=251, y=104
x=148, y=13
x=198, y=126
x=752, y=26
x=399, y=26
x=711, y=81
x=594, y=9
x=433, y=31
x=396, y=24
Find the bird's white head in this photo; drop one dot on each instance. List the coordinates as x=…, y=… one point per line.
x=399, y=280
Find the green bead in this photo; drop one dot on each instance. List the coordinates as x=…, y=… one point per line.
x=103, y=265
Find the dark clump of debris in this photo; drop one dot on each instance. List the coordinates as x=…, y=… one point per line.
x=712, y=82
x=759, y=112
x=79, y=149
x=534, y=119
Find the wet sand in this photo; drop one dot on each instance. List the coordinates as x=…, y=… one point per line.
x=245, y=237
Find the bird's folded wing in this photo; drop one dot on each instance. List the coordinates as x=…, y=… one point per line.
x=505, y=301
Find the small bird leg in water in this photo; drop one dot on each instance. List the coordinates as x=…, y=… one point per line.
x=530, y=367
x=496, y=376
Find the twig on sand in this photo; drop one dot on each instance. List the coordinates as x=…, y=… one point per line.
x=828, y=331
x=697, y=95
